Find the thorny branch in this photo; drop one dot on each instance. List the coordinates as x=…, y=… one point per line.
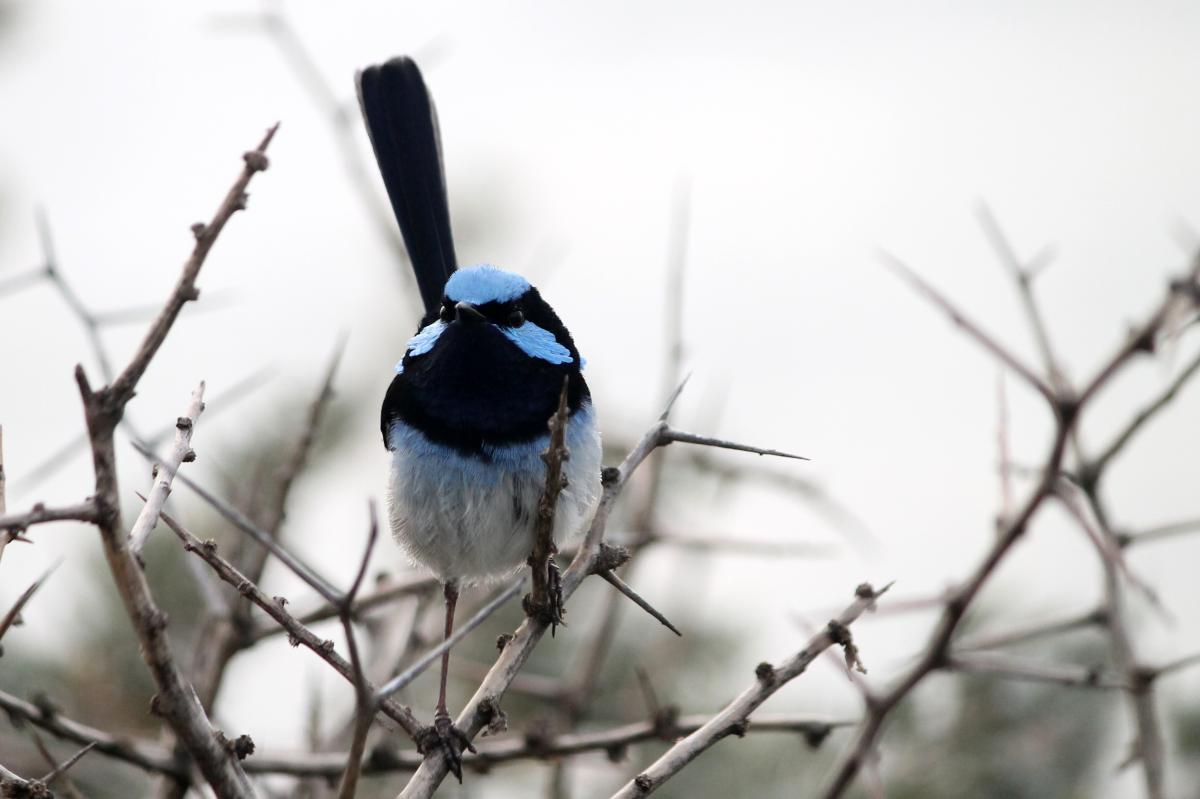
x=298, y=634
x=164, y=472
x=545, y=599
x=104, y=409
x=1066, y=407
x=769, y=679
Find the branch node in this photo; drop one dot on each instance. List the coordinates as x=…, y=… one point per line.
x=45, y=705
x=666, y=723
x=1067, y=407
x=494, y=719
x=157, y=619
x=609, y=557
x=840, y=635
x=617, y=752
x=256, y=161
x=765, y=673
x=815, y=734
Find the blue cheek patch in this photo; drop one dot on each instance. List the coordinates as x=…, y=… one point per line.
x=534, y=341
x=537, y=342
x=480, y=285
x=422, y=342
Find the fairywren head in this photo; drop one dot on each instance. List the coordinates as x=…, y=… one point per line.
x=486, y=303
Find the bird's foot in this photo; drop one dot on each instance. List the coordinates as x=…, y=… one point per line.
x=442, y=736
x=550, y=610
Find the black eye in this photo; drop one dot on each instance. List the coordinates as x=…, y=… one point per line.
x=447, y=314
x=516, y=318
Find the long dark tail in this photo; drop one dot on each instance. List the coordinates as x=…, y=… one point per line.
x=402, y=124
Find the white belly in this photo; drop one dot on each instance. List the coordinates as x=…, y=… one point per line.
x=466, y=518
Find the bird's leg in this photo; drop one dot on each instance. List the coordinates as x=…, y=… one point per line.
x=450, y=590
x=443, y=735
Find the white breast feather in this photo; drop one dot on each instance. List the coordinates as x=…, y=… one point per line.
x=468, y=519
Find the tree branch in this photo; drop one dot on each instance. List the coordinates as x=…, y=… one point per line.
x=733, y=719
x=274, y=607
x=165, y=470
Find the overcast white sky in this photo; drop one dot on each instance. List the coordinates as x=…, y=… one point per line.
x=813, y=135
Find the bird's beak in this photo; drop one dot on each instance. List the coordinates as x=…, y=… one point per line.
x=467, y=313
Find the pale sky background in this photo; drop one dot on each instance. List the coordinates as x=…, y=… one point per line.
x=813, y=135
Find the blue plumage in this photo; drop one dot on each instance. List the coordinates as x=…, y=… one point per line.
x=538, y=343
x=485, y=283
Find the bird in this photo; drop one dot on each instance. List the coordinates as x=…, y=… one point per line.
x=465, y=417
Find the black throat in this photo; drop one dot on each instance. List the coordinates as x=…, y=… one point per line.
x=475, y=387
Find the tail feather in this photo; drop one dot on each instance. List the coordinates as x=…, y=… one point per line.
x=402, y=124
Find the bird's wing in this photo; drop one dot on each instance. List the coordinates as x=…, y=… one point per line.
x=402, y=124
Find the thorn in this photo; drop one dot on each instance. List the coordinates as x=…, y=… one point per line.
x=619, y=584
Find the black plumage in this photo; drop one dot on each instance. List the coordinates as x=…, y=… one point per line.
x=475, y=388
x=402, y=124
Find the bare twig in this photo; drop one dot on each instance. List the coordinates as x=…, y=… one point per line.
x=185, y=290
x=10, y=618
x=364, y=703
x=1106, y=545
x=1002, y=447
x=733, y=719
x=1022, y=276
x=1176, y=665
x=619, y=584
x=264, y=538
x=411, y=585
x=144, y=755
x=53, y=272
x=39, y=514
x=1146, y=414
x=297, y=632
x=60, y=769
x=1034, y=632
x=970, y=328
x=544, y=598
x=670, y=435
x=1010, y=668
x=181, y=453
x=1160, y=532
x=612, y=742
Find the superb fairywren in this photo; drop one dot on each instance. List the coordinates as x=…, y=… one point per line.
x=465, y=418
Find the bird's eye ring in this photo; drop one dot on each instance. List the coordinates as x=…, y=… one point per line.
x=447, y=313
x=516, y=318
